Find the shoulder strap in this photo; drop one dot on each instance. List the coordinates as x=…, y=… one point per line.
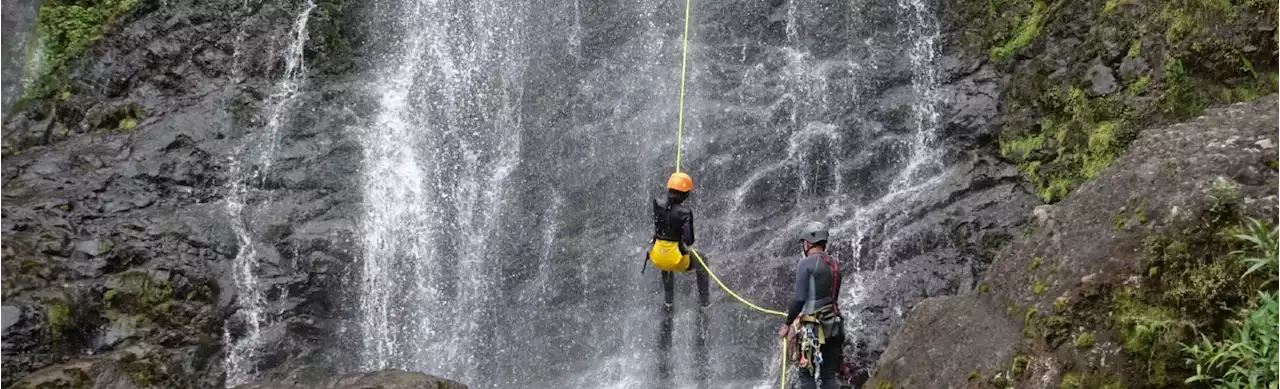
x=835, y=280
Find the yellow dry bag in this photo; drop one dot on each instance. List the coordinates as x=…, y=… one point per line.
x=665, y=255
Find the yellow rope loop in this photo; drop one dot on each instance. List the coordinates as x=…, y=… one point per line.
x=730, y=291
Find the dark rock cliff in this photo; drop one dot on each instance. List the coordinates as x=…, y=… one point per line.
x=117, y=242
x=1087, y=259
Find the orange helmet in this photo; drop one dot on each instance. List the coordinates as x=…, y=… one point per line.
x=680, y=181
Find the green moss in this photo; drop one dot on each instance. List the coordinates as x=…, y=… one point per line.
x=140, y=294
x=65, y=29
x=1019, y=368
x=1135, y=48
x=1018, y=149
x=1039, y=287
x=1055, y=330
x=1138, y=85
x=1112, y=5
x=1035, y=263
x=973, y=375
x=1141, y=212
x=1060, y=305
x=1026, y=32
x=59, y=319
x=1072, y=381
x=983, y=287
x=1029, y=323
x=885, y=385
x=1085, y=340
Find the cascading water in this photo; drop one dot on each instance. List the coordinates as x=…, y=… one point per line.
x=436, y=164
x=242, y=354
x=508, y=166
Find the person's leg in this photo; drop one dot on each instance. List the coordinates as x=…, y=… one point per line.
x=704, y=295
x=668, y=286
x=805, y=379
x=832, y=358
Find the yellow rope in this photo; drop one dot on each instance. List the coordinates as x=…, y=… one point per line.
x=684, y=61
x=684, y=67
x=783, y=385
x=729, y=291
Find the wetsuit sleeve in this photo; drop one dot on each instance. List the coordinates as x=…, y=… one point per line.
x=688, y=228
x=801, y=290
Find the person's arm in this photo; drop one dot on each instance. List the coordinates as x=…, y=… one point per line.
x=801, y=291
x=688, y=228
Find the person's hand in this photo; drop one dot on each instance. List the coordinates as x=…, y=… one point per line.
x=783, y=331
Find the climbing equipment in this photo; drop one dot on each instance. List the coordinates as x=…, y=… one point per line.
x=680, y=181
x=665, y=255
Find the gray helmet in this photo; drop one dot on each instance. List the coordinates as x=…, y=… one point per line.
x=814, y=232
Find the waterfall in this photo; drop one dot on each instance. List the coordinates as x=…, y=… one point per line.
x=436, y=164
x=242, y=354
x=515, y=144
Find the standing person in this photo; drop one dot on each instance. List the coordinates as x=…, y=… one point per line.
x=814, y=315
x=672, y=238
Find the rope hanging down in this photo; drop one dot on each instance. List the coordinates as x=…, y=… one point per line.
x=684, y=67
x=684, y=62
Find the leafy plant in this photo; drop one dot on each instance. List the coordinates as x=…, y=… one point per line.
x=1266, y=254
x=1246, y=361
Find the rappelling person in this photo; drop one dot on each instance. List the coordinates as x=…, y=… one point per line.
x=813, y=320
x=673, y=238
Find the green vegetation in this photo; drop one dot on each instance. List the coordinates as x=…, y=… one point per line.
x=1035, y=263
x=1020, y=365
x=1247, y=360
x=124, y=119
x=983, y=287
x=1085, y=340
x=139, y=294
x=59, y=319
x=973, y=375
x=885, y=385
x=1088, y=134
x=1060, y=305
x=1026, y=32
x=1246, y=357
x=1039, y=287
x=1265, y=257
x=1076, y=380
x=66, y=28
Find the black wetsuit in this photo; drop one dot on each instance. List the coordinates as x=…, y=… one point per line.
x=673, y=222
x=826, y=291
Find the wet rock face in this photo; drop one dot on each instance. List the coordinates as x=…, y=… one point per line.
x=1057, y=281
x=389, y=379
x=19, y=30
x=120, y=239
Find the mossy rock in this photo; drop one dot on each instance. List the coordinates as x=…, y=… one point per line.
x=139, y=292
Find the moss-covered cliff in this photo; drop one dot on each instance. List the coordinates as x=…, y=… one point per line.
x=1104, y=289
x=1084, y=77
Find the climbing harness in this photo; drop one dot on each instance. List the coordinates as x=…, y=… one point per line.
x=665, y=255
